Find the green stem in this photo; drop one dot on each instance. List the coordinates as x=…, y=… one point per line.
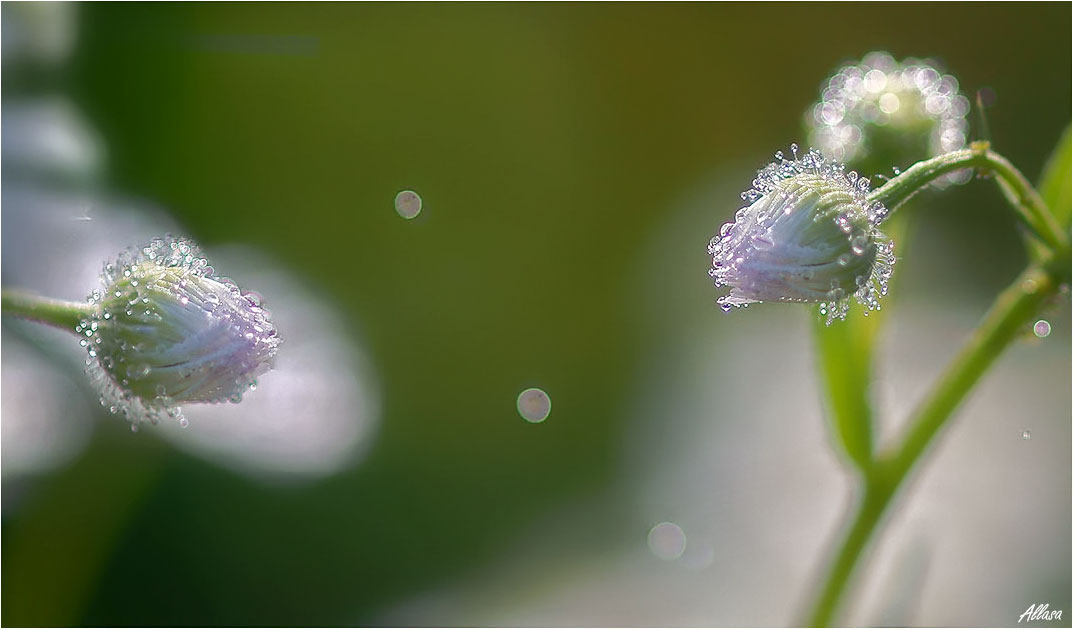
x=1023, y=197
x=1012, y=310
x=1019, y=303
x=871, y=508
x=58, y=313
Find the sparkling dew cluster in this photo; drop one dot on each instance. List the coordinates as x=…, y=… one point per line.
x=883, y=108
x=166, y=330
x=809, y=234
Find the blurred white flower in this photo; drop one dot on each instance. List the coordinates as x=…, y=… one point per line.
x=899, y=111
x=48, y=139
x=313, y=416
x=41, y=32
x=46, y=419
x=315, y=412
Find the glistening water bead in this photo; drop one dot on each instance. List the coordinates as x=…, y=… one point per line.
x=534, y=405
x=408, y=204
x=667, y=541
x=1042, y=328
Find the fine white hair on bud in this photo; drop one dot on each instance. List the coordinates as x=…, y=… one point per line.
x=809, y=234
x=166, y=330
x=880, y=109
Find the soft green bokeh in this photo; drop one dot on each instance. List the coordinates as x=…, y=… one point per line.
x=549, y=143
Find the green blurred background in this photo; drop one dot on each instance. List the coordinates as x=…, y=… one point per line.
x=548, y=142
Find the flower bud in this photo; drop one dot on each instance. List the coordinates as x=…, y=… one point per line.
x=166, y=330
x=879, y=111
x=808, y=235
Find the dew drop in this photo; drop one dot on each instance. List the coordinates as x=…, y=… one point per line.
x=667, y=541
x=858, y=244
x=1026, y=434
x=253, y=298
x=534, y=405
x=408, y=204
x=1042, y=328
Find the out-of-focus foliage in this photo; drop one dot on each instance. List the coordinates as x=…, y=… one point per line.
x=551, y=145
x=1055, y=182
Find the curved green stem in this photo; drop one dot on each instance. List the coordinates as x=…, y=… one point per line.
x=1020, y=193
x=1012, y=310
x=1016, y=306
x=58, y=313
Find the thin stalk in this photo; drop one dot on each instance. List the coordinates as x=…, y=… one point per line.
x=1016, y=306
x=872, y=506
x=1011, y=311
x=1026, y=201
x=58, y=313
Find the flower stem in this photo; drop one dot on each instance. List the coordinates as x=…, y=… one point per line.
x=1028, y=204
x=58, y=313
x=871, y=508
x=1012, y=310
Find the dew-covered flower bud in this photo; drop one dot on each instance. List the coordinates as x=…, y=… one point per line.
x=166, y=330
x=879, y=111
x=809, y=234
